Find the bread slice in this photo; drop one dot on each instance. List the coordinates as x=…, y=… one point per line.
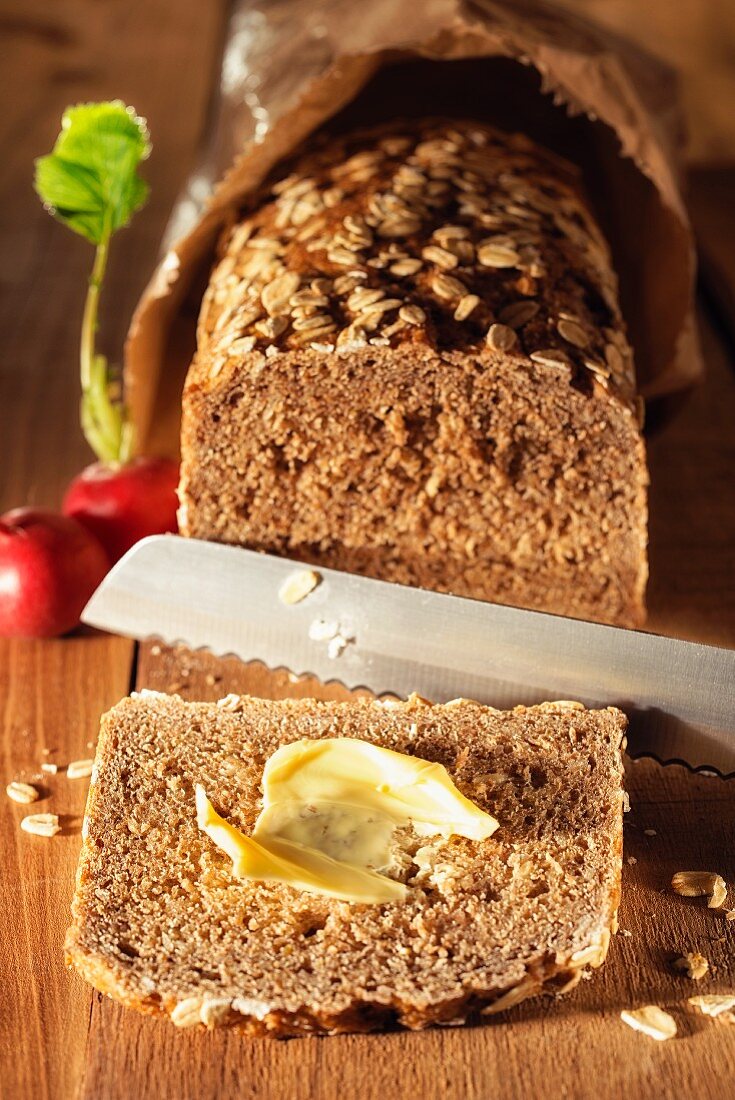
x=411, y=364
x=160, y=923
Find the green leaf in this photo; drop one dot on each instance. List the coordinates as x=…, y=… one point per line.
x=90, y=180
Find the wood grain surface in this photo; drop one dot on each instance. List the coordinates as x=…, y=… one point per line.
x=58, y=1039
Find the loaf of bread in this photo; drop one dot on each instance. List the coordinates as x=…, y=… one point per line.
x=411, y=364
x=161, y=924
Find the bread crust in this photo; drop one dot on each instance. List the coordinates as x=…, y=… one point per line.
x=110, y=945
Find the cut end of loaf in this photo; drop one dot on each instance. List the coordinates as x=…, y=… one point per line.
x=160, y=924
x=460, y=473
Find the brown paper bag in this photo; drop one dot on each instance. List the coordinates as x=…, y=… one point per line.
x=291, y=66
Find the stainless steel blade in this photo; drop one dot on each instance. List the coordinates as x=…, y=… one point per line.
x=679, y=696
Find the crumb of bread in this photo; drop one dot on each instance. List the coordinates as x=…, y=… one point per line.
x=694, y=964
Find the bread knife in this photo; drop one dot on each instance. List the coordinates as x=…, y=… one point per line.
x=393, y=639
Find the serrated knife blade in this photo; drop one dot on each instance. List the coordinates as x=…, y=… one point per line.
x=679, y=696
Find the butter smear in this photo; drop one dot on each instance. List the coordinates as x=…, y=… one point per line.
x=330, y=810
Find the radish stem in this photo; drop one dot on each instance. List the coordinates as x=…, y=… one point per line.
x=104, y=421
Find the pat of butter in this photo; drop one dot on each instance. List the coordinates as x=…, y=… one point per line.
x=330, y=809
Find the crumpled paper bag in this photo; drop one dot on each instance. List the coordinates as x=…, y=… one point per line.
x=290, y=66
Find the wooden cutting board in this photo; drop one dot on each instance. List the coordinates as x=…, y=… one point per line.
x=58, y=1039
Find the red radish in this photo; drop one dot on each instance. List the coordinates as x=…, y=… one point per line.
x=49, y=567
x=122, y=504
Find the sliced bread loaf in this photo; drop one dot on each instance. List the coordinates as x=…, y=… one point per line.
x=161, y=924
x=411, y=364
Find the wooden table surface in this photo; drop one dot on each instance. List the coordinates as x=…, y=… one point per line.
x=57, y=1037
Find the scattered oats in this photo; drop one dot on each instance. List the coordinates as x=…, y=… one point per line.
x=412, y=315
x=271, y=327
x=598, y=369
x=652, y=1021
x=250, y=1006
x=448, y=233
x=719, y=895
x=229, y=702
x=79, y=769
x=271, y=351
x=694, y=884
x=730, y=915
x=501, y=337
x=466, y=306
x=405, y=267
x=210, y=680
x=275, y=296
x=463, y=250
x=363, y=296
x=381, y=307
x=447, y=287
x=631, y=860
x=323, y=349
x=265, y=244
x=350, y=339
x=625, y=932
x=304, y=299
x=311, y=324
x=394, y=227
x=214, y=1010
x=241, y=346
x=22, y=792
x=626, y=802
x=341, y=255
x=649, y=832
x=297, y=586
x=343, y=284
x=358, y=232
x=155, y=650
x=41, y=824
x=241, y=235
x=497, y=255
x=550, y=357
x=187, y=1012
x=573, y=333
x=439, y=256
x=366, y=159
x=50, y=769
x=518, y=314
x=714, y=1004
x=695, y=965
